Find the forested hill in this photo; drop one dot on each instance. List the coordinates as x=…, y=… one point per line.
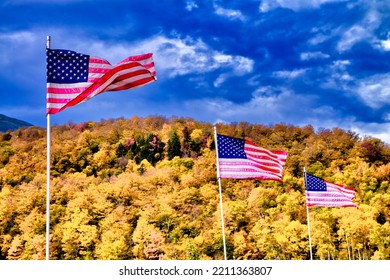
x=146, y=188
x=7, y=123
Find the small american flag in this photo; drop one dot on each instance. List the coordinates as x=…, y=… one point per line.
x=322, y=193
x=241, y=159
x=74, y=77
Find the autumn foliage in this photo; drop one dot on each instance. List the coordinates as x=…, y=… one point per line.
x=146, y=188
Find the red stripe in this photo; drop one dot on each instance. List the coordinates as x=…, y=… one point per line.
x=134, y=84
x=65, y=90
x=57, y=100
x=98, y=60
x=137, y=57
x=95, y=70
x=131, y=75
x=332, y=205
x=341, y=187
x=51, y=111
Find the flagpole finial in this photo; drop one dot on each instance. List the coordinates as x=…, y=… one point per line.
x=48, y=39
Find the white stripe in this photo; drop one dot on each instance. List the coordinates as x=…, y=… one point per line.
x=62, y=95
x=70, y=86
x=55, y=105
x=95, y=75
x=99, y=65
x=143, y=62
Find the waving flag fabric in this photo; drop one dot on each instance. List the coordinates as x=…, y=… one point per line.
x=74, y=77
x=241, y=159
x=322, y=193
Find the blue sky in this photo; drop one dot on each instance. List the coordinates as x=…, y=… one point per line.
x=319, y=62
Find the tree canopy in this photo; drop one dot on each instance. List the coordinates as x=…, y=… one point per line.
x=146, y=188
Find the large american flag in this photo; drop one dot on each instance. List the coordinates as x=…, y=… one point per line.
x=74, y=77
x=241, y=159
x=322, y=193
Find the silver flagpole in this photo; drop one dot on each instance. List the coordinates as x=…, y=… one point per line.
x=308, y=217
x=220, y=193
x=48, y=176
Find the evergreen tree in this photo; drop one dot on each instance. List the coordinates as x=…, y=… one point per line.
x=186, y=147
x=174, y=147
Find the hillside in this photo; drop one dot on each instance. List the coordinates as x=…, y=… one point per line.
x=146, y=188
x=7, y=123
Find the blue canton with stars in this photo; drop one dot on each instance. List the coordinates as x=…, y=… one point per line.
x=315, y=184
x=230, y=147
x=66, y=67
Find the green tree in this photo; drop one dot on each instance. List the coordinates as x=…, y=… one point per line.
x=174, y=146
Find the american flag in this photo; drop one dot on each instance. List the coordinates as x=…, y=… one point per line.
x=241, y=159
x=322, y=193
x=74, y=77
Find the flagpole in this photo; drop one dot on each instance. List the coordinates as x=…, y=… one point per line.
x=220, y=193
x=308, y=216
x=48, y=175
x=346, y=238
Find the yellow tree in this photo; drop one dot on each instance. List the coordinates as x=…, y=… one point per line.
x=115, y=239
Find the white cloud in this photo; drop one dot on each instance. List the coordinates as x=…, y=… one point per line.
x=296, y=5
x=351, y=36
x=173, y=56
x=336, y=75
x=190, y=5
x=16, y=44
x=313, y=56
x=229, y=13
x=384, y=44
x=363, y=31
x=289, y=74
x=21, y=50
x=375, y=90
x=220, y=80
x=183, y=56
x=318, y=39
x=268, y=105
x=242, y=64
x=377, y=130
x=18, y=37
x=284, y=106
